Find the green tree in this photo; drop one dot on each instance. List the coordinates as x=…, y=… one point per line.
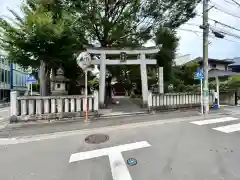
x=183, y=76
x=169, y=41
x=44, y=37
x=188, y=73
x=52, y=31
x=130, y=23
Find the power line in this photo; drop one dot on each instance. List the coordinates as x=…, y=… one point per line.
x=223, y=24
x=212, y=36
x=226, y=33
x=226, y=12
x=217, y=30
x=229, y=2
x=236, y=2
x=192, y=24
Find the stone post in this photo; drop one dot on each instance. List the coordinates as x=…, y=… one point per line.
x=144, y=79
x=160, y=80
x=13, y=103
x=102, y=80
x=150, y=101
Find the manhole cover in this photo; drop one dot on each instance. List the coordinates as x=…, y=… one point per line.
x=96, y=138
x=131, y=162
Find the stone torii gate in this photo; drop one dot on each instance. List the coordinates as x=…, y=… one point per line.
x=142, y=61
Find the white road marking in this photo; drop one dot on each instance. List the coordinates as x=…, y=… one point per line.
x=118, y=167
x=212, y=121
x=103, y=152
x=228, y=128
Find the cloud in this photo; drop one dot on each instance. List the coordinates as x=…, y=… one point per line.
x=191, y=43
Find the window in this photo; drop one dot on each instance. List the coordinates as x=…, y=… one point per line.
x=16, y=79
x=9, y=77
x=58, y=85
x=23, y=81
x=1, y=77
x=213, y=66
x=19, y=80
x=5, y=76
x=226, y=68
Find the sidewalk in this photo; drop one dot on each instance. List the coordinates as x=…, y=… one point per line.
x=4, y=117
x=29, y=129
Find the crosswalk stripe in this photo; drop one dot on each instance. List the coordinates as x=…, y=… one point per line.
x=212, y=121
x=228, y=128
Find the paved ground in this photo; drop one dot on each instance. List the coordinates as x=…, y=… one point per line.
x=4, y=114
x=173, y=149
x=28, y=129
x=124, y=106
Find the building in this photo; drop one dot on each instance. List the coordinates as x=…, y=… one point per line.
x=12, y=77
x=236, y=65
x=180, y=60
x=219, y=64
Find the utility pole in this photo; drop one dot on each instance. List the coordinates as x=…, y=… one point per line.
x=205, y=56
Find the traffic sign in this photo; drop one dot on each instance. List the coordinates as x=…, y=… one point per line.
x=84, y=60
x=31, y=79
x=199, y=74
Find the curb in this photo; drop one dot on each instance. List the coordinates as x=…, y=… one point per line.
x=69, y=120
x=93, y=119
x=123, y=115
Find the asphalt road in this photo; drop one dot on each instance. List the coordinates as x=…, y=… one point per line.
x=164, y=150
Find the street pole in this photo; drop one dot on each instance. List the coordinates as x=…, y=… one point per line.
x=86, y=95
x=201, y=96
x=31, y=88
x=205, y=55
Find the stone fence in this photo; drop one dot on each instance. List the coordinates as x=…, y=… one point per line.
x=175, y=100
x=49, y=107
x=228, y=98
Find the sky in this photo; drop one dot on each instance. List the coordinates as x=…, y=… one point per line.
x=191, y=42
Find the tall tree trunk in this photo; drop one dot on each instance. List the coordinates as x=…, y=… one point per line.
x=43, y=79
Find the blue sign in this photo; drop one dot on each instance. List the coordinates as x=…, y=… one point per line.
x=131, y=162
x=31, y=79
x=199, y=75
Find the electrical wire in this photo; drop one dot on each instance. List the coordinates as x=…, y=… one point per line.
x=236, y=2
x=212, y=36
x=226, y=33
x=223, y=24
x=217, y=30
x=226, y=12
x=229, y=2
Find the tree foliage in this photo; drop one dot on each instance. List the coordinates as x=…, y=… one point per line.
x=169, y=41
x=53, y=31
x=42, y=34
x=127, y=22
x=183, y=77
